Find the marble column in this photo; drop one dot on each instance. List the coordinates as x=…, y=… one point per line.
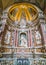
x=43, y=34
x=30, y=37
x=42, y=25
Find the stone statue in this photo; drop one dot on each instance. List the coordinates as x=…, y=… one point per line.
x=23, y=41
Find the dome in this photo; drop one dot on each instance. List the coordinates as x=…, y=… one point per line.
x=22, y=12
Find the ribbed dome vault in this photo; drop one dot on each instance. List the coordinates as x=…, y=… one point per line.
x=23, y=11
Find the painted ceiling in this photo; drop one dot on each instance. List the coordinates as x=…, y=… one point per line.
x=40, y=3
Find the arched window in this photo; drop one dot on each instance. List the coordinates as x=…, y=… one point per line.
x=19, y=62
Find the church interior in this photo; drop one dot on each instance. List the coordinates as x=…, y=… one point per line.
x=22, y=32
